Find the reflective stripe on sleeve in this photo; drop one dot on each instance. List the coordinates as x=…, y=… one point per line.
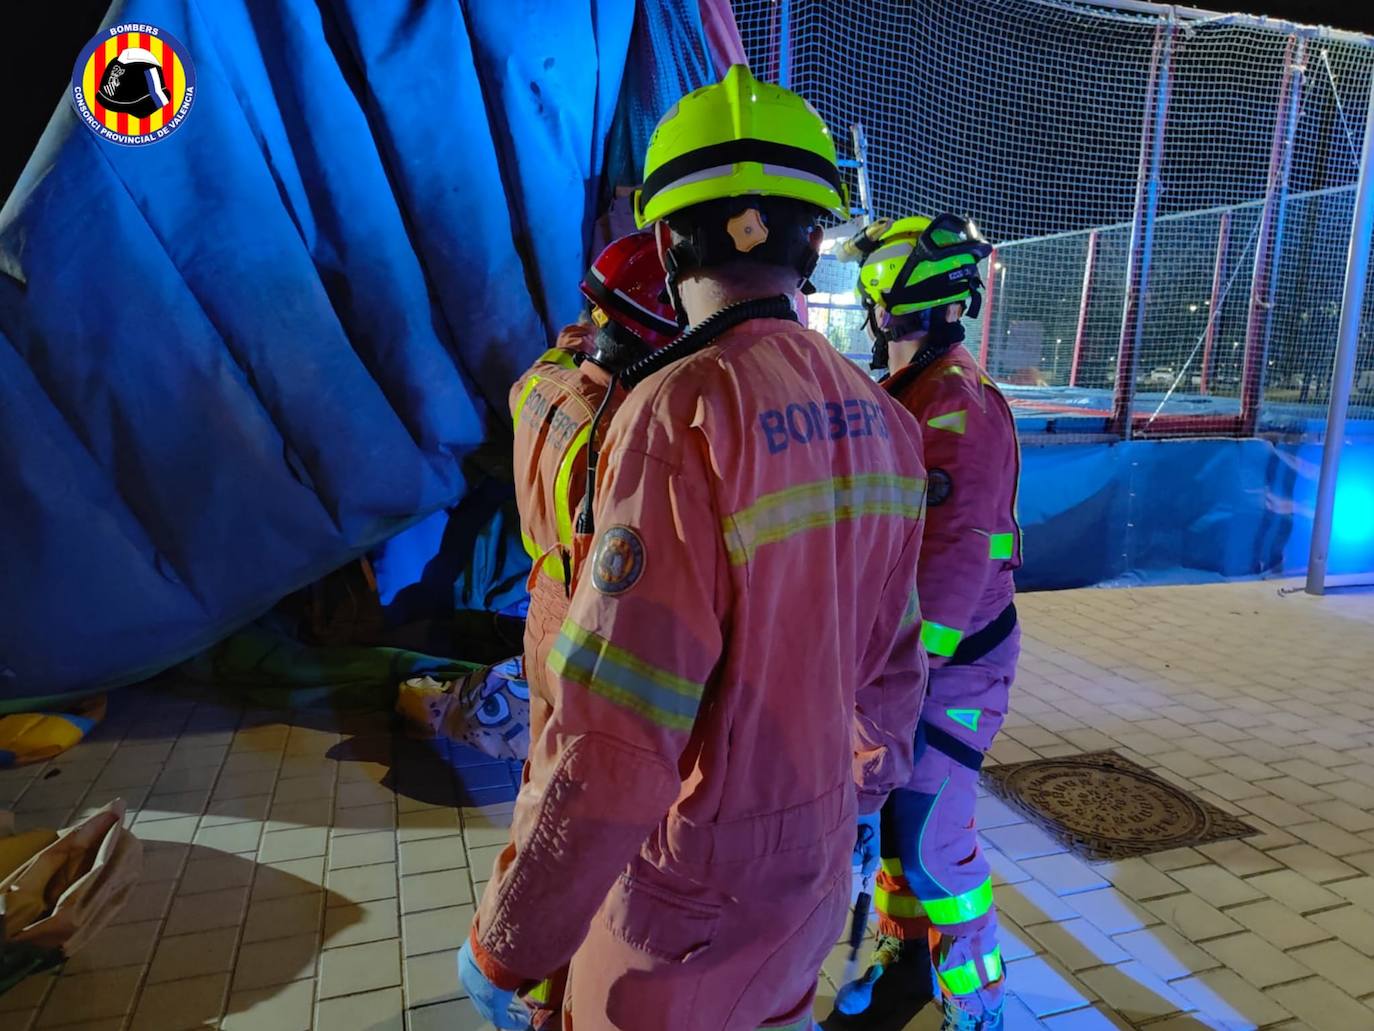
x=777, y=516
x=625, y=679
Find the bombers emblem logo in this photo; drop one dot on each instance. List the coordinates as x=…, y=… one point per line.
x=133, y=84
x=618, y=562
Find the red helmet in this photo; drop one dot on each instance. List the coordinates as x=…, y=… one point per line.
x=626, y=281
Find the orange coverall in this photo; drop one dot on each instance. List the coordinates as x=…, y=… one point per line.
x=552, y=405
x=739, y=673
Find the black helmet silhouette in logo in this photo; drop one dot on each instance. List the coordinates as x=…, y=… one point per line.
x=134, y=84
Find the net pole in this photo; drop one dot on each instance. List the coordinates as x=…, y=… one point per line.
x=989, y=296
x=785, y=44
x=1214, y=305
x=1267, y=246
x=1081, y=333
x=1343, y=368
x=1142, y=228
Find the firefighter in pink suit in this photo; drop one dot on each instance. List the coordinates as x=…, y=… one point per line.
x=934, y=893
x=737, y=684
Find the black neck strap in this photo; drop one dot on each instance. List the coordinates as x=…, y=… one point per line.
x=705, y=332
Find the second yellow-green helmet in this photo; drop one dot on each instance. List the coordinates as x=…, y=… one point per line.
x=917, y=263
x=735, y=138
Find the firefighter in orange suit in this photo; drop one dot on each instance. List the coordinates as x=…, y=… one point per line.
x=737, y=683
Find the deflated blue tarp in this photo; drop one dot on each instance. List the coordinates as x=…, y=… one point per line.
x=233, y=359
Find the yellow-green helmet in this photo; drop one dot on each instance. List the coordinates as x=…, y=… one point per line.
x=738, y=137
x=917, y=263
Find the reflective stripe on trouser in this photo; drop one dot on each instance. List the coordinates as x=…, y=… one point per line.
x=934, y=877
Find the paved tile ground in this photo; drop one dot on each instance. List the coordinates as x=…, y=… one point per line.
x=310, y=871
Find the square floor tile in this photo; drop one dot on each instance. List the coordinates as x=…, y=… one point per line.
x=284, y=917
x=1322, y=1005
x=435, y=890
x=433, y=854
x=1350, y=971
x=206, y=911
x=289, y=877
x=193, y=955
x=117, y=945
x=371, y=1011
x=298, y=843
x=195, y=1002
x=1044, y=986
x=1078, y=944
x=1350, y=924
x=432, y=978
x=1255, y=959
x=356, y=923
x=288, y=1007
x=1228, y=1002
x=1110, y=911
x=363, y=883
x=360, y=968
x=1295, y=891
x=1023, y=840
x=1216, y=886
x=1192, y=918
x=448, y=1016
x=1134, y=991
x=104, y=993
x=436, y=930
x=1277, y=924
x=1166, y=953
x=364, y=849
x=1063, y=874
x=276, y=961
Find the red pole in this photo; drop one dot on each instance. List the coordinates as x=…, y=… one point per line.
x=1267, y=245
x=1082, y=333
x=989, y=293
x=1214, y=308
x=1142, y=231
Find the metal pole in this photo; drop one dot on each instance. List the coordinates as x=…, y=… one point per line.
x=1343, y=369
x=861, y=171
x=990, y=294
x=1214, y=307
x=1269, y=242
x=1082, y=332
x=1142, y=229
x=785, y=45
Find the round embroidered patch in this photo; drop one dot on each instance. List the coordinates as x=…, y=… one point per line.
x=939, y=486
x=619, y=560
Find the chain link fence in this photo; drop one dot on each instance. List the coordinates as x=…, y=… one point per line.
x=1170, y=193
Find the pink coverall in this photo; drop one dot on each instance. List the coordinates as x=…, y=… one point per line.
x=740, y=655
x=934, y=877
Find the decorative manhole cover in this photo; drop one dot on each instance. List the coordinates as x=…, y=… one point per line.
x=1104, y=806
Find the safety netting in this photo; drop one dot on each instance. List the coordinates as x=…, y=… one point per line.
x=1170, y=193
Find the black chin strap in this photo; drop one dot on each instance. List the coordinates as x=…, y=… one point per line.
x=706, y=331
